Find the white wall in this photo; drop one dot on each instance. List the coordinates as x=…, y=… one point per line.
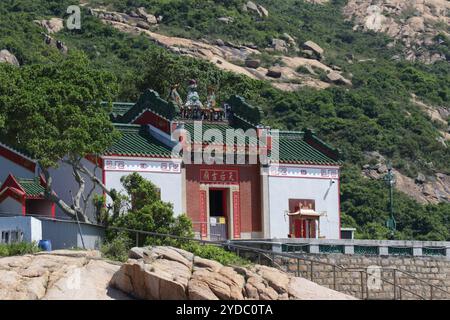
x=64, y=183
x=169, y=183
x=11, y=206
x=325, y=194
x=31, y=227
x=7, y=167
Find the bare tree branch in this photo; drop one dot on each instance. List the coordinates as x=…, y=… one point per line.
x=51, y=195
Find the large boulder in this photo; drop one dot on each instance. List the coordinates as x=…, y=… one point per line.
x=311, y=45
x=277, y=280
x=254, y=8
x=199, y=290
x=253, y=63
x=8, y=57
x=226, y=20
x=53, y=25
x=165, y=273
x=143, y=25
x=258, y=289
x=289, y=39
x=150, y=18
x=211, y=265
x=302, y=289
x=337, y=78
x=274, y=73
x=263, y=11
x=251, y=6
x=280, y=45
x=58, y=275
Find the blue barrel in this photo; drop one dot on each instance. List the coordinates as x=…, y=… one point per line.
x=45, y=245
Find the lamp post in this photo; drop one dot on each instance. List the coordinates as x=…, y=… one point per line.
x=390, y=181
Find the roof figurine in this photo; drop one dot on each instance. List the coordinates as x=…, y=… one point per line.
x=175, y=97
x=193, y=102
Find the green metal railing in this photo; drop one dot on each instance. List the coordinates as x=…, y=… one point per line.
x=400, y=251
x=324, y=248
x=434, y=251
x=290, y=247
x=366, y=250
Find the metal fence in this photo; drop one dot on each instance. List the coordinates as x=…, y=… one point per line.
x=64, y=233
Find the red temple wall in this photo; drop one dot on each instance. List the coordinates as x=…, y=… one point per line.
x=249, y=189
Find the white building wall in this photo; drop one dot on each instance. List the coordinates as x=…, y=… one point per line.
x=10, y=206
x=324, y=190
x=170, y=181
x=7, y=167
x=31, y=227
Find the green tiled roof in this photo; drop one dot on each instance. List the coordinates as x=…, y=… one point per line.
x=120, y=108
x=32, y=187
x=294, y=149
x=149, y=100
x=222, y=127
x=136, y=141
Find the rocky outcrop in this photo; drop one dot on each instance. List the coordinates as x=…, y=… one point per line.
x=59, y=275
x=423, y=189
x=165, y=273
x=253, y=63
x=337, y=78
x=232, y=57
x=150, y=18
x=8, y=57
x=314, y=47
x=53, y=25
x=415, y=23
x=257, y=9
x=237, y=58
x=280, y=45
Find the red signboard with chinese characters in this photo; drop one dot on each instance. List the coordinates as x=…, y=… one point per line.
x=236, y=215
x=203, y=214
x=215, y=176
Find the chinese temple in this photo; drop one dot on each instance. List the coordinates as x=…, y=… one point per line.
x=270, y=184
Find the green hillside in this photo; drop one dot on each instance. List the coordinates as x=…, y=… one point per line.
x=375, y=114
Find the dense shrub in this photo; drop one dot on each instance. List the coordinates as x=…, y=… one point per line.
x=18, y=249
x=117, y=248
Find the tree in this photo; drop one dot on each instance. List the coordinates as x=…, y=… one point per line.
x=141, y=208
x=53, y=111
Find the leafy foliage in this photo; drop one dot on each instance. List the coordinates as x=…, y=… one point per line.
x=142, y=209
x=218, y=254
x=18, y=249
x=62, y=101
x=117, y=248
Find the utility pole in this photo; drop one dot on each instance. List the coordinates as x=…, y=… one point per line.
x=390, y=181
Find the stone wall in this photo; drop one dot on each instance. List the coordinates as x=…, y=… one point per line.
x=372, y=277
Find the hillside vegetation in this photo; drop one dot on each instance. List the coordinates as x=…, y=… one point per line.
x=375, y=114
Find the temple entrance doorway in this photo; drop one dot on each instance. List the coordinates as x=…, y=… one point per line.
x=218, y=213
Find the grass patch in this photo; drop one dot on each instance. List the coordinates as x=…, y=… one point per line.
x=18, y=249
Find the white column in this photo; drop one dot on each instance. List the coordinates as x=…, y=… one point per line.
x=265, y=202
